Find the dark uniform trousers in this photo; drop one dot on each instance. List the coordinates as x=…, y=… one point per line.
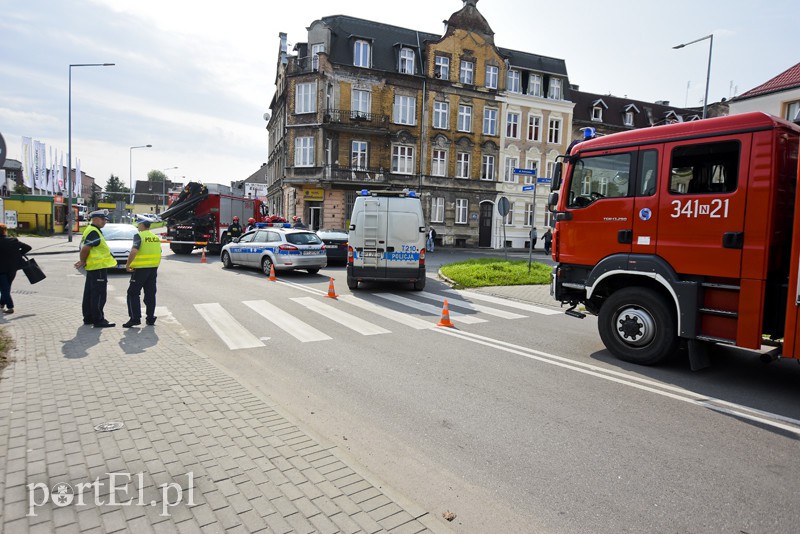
x=142, y=278
x=95, y=291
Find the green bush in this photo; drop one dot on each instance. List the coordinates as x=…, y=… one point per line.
x=496, y=272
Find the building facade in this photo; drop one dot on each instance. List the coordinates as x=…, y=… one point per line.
x=364, y=105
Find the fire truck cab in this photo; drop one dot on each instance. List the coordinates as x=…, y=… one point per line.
x=683, y=232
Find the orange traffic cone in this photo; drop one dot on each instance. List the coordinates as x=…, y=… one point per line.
x=445, y=321
x=331, y=292
x=272, y=277
x=203, y=257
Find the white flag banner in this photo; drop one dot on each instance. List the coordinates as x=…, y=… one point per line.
x=37, y=166
x=77, y=187
x=52, y=173
x=61, y=175
x=27, y=162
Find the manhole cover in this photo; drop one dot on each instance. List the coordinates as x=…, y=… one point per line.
x=109, y=426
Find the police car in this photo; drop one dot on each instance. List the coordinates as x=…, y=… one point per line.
x=283, y=247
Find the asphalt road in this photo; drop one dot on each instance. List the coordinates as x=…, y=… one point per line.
x=515, y=424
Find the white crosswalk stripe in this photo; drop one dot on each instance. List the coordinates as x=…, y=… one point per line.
x=345, y=319
x=400, y=317
x=504, y=302
x=470, y=306
x=454, y=316
x=227, y=328
x=293, y=326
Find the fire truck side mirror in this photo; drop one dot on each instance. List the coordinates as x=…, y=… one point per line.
x=556, y=183
x=552, y=200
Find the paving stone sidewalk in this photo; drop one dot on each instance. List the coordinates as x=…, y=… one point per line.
x=191, y=433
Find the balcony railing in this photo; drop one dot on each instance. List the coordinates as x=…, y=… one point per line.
x=355, y=118
x=352, y=174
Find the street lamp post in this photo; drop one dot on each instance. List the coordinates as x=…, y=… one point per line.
x=164, y=197
x=130, y=170
x=69, y=143
x=710, y=38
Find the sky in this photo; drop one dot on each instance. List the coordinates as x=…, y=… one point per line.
x=194, y=79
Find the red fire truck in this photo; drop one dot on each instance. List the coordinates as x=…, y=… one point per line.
x=683, y=233
x=198, y=218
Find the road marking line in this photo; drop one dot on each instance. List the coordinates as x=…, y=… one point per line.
x=505, y=302
x=345, y=319
x=400, y=317
x=227, y=328
x=290, y=324
x=644, y=384
x=307, y=289
x=470, y=306
x=466, y=319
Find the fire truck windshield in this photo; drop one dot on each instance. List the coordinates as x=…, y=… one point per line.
x=599, y=177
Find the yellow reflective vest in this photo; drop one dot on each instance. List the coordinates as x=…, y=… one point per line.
x=100, y=256
x=149, y=254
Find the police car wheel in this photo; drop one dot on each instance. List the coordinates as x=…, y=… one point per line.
x=226, y=260
x=266, y=265
x=312, y=271
x=352, y=283
x=419, y=285
x=638, y=325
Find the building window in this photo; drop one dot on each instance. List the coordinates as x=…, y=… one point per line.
x=405, y=110
x=534, y=128
x=549, y=168
x=793, y=111
x=554, y=132
x=511, y=164
x=528, y=214
x=406, y=61
x=462, y=206
x=360, y=103
x=441, y=68
x=555, y=89
x=361, y=54
x=627, y=119
x=487, y=168
x=533, y=165
x=315, y=51
x=441, y=115
x=597, y=113
x=467, y=73
x=462, y=165
x=535, y=85
x=305, y=98
x=464, y=118
x=512, y=125
x=439, y=163
x=304, y=152
x=514, y=81
x=489, y=121
x=358, y=155
x=492, y=74
x=403, y=159
x=508, y=220
x=437, y=209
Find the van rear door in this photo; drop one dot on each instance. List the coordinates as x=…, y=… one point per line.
x=404, y=242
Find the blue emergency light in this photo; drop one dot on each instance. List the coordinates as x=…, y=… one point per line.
x=364, y=192
x=589, y=133
x=412, y=194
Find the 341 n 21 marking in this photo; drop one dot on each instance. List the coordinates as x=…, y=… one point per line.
x=692, y=209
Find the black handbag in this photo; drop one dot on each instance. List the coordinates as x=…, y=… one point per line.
x=32, y=270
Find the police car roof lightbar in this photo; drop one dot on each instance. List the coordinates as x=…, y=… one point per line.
x=367, y=192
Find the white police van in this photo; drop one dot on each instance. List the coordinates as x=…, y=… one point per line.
x=386, y=241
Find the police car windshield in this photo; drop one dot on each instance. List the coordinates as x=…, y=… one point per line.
x=303, y=238
x=117, y=232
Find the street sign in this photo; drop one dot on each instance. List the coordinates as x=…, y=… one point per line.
x=503, y=206
x=529, y=172
x=528, y=187
x=544, y=180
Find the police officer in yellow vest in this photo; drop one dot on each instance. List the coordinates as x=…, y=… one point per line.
x=143, y=262
x=96, y=257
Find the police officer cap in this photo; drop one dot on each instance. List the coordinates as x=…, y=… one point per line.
x=103, y=214
x=145, y=222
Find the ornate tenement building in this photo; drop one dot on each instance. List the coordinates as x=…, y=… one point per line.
x=365, y=105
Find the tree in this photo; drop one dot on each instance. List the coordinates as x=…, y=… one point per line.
x=156, y=176
x=21, y=189
x=116, y=191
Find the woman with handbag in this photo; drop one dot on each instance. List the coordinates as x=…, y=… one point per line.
x=11, y=253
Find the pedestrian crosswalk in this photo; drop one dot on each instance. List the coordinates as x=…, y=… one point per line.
x=314, y=319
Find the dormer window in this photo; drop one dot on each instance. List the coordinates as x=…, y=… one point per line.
x=406, y=61
x=535, y=85
x=316, y=49
x=514, y=81
x=441, y=69
x=554, y=91
x=627, y=118
x=361, y=54
x=597, y=114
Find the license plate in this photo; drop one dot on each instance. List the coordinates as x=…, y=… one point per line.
x=311, y=252
x=370, y=254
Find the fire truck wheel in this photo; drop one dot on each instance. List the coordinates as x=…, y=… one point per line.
x=226, y=260
x=637, y=325
x=266, y=265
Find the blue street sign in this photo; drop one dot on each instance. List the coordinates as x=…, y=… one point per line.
x=544, y=180
x=530, y=172
x=528, y=187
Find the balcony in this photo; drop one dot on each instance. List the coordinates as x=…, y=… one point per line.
x=348, y=120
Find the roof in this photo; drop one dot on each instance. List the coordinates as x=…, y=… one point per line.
x=788, y=79
x=645, y=114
